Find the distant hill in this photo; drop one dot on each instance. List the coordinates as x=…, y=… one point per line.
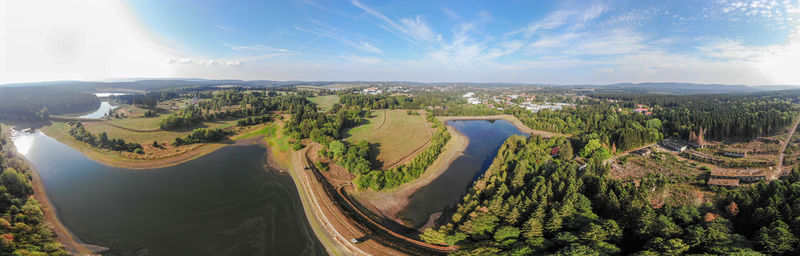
x=156, y=84
x=686, y=88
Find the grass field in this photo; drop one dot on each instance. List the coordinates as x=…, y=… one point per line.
x=325, y=102
x=146, y=137
x=396, y=133
x=148, y=124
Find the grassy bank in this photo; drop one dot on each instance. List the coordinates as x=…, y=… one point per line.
x=153, y=158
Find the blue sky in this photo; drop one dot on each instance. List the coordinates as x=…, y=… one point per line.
x=551, y=42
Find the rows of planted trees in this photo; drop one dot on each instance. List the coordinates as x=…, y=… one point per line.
x=23, y=229
x=529, y=203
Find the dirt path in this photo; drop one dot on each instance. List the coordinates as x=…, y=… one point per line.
x=779, y=164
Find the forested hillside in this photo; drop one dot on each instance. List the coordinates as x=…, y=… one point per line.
x=37, y=103
x=530, y=203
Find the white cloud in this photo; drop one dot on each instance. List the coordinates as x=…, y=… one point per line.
x=411, y=29
x=418, y=29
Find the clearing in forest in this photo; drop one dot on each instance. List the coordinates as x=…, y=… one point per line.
x=396, y=134
x=325, y=102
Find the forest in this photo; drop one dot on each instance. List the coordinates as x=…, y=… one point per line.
x=256, y=105
x=740, y=117
x=37, y=103
x=23, y=229
x=614, y=131
x=528, y=202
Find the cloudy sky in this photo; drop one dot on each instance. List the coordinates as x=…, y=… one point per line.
x=559, y=42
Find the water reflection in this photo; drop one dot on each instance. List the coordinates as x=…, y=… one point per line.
x=101, y=111
x=224, y=203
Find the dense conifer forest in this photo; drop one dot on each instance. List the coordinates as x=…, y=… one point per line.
x=531, y=203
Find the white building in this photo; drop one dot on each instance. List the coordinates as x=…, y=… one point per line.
x=474, y=101
x=469, y=95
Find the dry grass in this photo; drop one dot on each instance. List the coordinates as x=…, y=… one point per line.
x=395, y=133
x=325, y=102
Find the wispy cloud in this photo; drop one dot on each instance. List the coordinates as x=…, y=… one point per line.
x=333, y=33
x=576, y=18
x=415, y=30
x=225, y=28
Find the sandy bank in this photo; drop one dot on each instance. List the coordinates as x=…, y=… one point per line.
x=64, y=236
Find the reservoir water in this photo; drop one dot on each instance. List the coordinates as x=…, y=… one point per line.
x=101, y=111
x=225, y=203
x=485, y=138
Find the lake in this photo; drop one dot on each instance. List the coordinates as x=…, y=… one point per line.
x=101, y=111
x=485, y=139
x=225, y=203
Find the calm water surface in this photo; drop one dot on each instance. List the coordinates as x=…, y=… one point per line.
x=224, y=203
x=101, y=111
x=485, y=138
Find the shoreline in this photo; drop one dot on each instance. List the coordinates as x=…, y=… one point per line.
x=390, y=202
x=70, y=242
x=110, y=158
x=510, y=118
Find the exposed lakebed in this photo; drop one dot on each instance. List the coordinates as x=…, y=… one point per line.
x=224, y=203
x=485, y=138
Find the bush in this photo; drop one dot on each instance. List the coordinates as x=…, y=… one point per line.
x=139, y=151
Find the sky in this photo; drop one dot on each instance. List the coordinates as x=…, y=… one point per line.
x=516, y=41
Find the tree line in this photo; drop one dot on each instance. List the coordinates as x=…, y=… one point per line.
x=741, y=117
x=23, y=229
x=77, y=131
x=38, y=102
x=202, y=135
x=193, y=115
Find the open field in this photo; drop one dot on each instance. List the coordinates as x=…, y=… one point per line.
x=148, y=137
x=391, y=201
x=396, y=133
x=325, y=102
x=138, y=124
